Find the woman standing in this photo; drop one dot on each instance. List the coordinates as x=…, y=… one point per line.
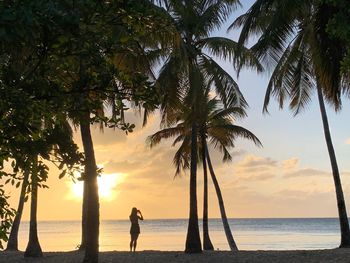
x=135, y=228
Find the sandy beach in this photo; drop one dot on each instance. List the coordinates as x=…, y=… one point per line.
x=293, y=256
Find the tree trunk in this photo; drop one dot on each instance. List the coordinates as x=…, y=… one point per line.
x=12, y=243
x=343, y=218
x=207, y=245
x=227, y=229
x=193, y=241
x=84, y=217
x=92, y=207
x=33, y=248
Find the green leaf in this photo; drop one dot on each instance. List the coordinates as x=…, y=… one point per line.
x=62, y=174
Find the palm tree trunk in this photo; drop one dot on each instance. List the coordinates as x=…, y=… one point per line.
x=227, y=229
x=92, y=207
x=193, y=241
x=207, y=245
x=84, y=217
x=12, y=243
x=343, y=218
x=33, y=248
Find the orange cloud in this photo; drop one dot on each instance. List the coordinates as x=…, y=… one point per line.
x=290, y=164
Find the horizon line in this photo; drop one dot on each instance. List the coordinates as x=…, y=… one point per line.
x=199, y=219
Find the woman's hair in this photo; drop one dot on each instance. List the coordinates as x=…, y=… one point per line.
x=133, y=212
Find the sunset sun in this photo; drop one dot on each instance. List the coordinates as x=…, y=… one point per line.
x=107, y=184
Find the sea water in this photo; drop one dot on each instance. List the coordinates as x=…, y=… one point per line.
x=170, y=234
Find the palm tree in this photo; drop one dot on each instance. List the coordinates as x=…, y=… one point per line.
x=55, y=144
x=187, y=61
x=293, y=37
x=220, y=124
x=33, y=247
x=91, y=187
x=215, y=124
x=207, y=244
x=12, y=243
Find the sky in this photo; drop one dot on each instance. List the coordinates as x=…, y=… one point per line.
x=290, y=176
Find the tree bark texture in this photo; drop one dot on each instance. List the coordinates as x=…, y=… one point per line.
x=193, y=242
x=92, y=207
x=84, y=216
x=207, y=244
x=33, y=248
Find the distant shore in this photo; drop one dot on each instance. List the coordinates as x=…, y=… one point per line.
x=290, y=256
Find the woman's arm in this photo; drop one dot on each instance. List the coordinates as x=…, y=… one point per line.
x=140, y=216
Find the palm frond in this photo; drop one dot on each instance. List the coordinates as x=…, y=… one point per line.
x=164, y=134
x=302, y=83
x=212, y=14
x=228, y=49
x=281, y=81
x=172, y=83
x=234, y=131
x=182, y=156
x=253, y=22
x=230, y=113
x=226, y=87
x=328, y=53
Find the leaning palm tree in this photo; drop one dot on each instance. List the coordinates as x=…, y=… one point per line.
x=12, y=243
x=220, y=130
x=189, y=59
x=293, y=38
x=215, y=124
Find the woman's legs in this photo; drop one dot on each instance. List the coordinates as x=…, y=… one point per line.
x=131, y=244
x=133, y=241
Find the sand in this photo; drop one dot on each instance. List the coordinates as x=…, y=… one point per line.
x=295, y=256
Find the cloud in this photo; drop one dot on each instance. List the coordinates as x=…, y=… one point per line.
x=306, y=172
x=290, y=164
x=255, y=168
x=260, y=177
x=255, y=161
x=347, y=141
x=124, y=166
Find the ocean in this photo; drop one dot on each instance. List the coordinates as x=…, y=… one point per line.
x=170, y=234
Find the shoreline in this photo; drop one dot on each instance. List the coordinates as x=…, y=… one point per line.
x=153, y=256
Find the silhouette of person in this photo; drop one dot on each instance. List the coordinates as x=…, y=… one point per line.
x=135, y=228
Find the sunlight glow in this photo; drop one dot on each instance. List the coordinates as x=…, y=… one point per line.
x=107, y=184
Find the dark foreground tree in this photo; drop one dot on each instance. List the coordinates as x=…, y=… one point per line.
x=28, y=97
x=96, y=73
